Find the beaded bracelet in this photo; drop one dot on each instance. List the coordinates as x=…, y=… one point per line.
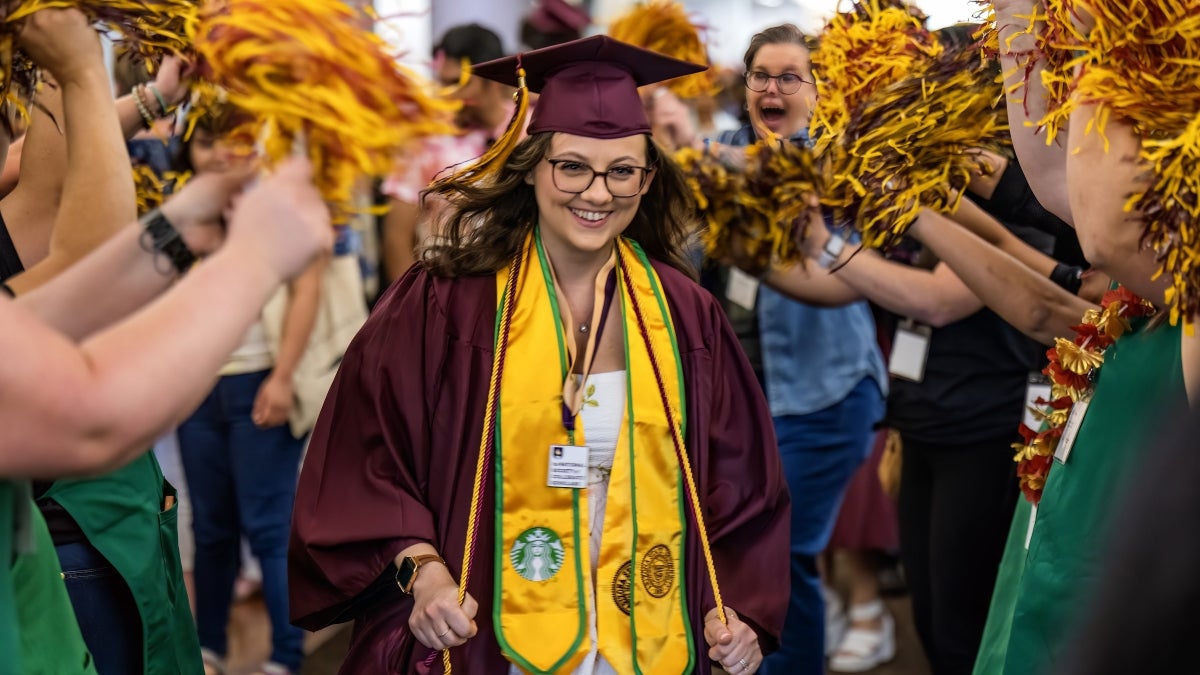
x=144, y=111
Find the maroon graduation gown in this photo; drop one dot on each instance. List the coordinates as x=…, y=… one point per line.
x=392, y=458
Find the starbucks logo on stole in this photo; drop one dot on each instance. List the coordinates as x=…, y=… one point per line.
x=620, y=587
x=658, y=571
x=537, y=554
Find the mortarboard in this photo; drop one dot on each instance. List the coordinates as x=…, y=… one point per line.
x=559, y=16
x=588, y=87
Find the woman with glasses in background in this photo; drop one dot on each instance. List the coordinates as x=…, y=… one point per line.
x=821, y=366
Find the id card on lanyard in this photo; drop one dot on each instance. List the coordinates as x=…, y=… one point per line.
x=910, y=351
x=1037, y=387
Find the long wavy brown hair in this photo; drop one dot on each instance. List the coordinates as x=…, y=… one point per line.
x=488, y=222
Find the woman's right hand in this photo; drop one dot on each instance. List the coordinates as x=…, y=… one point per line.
x=62, y=42
x=437, y=620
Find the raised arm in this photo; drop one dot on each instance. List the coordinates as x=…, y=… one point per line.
x=129, y=273
x=1044, y=164
x=1102, y=174
x=936, y=297
x=96, y=188
x=74, y=409
x=1024, y=297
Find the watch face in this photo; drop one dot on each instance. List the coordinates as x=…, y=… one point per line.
x=406, y=575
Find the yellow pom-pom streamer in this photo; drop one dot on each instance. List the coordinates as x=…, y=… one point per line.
x=150, y=28
x=663, y=26
x=911, y=145
x=306, y=69
x=871, y=46
x=758, y=208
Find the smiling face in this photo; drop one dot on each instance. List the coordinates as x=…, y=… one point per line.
x=576, y=225
x=783, y=114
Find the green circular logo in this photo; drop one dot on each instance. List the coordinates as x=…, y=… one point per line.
x=537, y=554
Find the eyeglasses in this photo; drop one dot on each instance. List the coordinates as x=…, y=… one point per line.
x=788, y=83
x=576, y=177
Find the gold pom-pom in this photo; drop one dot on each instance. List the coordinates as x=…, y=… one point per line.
x=754, y=200
x=875, y=43
x=912, y=145
x=150, y=28
x=663, y=26
x=308, y=75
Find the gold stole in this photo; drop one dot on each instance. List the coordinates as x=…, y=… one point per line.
x=543, y=586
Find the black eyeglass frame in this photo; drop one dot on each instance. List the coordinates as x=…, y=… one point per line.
x=779, y=81
x=554, y=177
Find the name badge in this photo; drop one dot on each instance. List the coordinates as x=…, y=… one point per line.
x=1038, y=387
x=568, y=466
x=910, y=350
x=742, y=289
x=1071, y=430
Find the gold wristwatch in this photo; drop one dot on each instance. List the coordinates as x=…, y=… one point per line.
x=406, y=574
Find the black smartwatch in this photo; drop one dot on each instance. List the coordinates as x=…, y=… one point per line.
x=406, y=574
x=160, y=236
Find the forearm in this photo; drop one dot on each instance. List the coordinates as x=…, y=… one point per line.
x=934, y=298
x=975, y=219
x=87, y=409
x=304, y=300
x=97, y=190
x=129, y=275
x=811, y=285
x=1044, y=163
x=1023, y=297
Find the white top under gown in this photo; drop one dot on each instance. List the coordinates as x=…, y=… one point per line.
x=603, y=412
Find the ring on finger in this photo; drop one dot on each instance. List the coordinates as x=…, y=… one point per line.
x=745, y=666
x=442, y=635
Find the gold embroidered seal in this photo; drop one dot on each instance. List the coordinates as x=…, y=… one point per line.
x=620, y=587
x=658, y=571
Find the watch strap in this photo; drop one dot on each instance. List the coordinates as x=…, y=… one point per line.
x=160, y=236
x=406, y=573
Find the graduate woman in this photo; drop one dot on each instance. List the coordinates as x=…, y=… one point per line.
x=541, y=410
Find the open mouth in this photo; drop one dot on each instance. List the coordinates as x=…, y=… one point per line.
x=772, y=115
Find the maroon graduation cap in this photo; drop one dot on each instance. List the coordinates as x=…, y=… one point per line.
x=559, y=16
x=588, y=86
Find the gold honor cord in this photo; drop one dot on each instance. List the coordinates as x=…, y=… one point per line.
x=487, y=441
x=680, y=449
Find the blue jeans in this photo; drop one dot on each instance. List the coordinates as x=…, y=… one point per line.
x=820, y=452
x=242, y=479
x=104, y=607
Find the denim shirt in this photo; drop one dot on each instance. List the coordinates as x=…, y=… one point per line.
x=812, y=356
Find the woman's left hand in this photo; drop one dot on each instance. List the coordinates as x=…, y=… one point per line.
x=733, y=645
x=273, y=403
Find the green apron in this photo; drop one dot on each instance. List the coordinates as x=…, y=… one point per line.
x=38, y=632
x=121, y=514
x=1140, y=382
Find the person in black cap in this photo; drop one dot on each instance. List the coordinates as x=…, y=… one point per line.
x=545, y=452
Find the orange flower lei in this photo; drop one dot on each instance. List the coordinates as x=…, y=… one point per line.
x=1072, y=371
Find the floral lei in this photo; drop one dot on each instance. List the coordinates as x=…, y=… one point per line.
x=1073, y=367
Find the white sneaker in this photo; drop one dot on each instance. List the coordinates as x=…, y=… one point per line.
x=863, y=649
x=835, y=620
